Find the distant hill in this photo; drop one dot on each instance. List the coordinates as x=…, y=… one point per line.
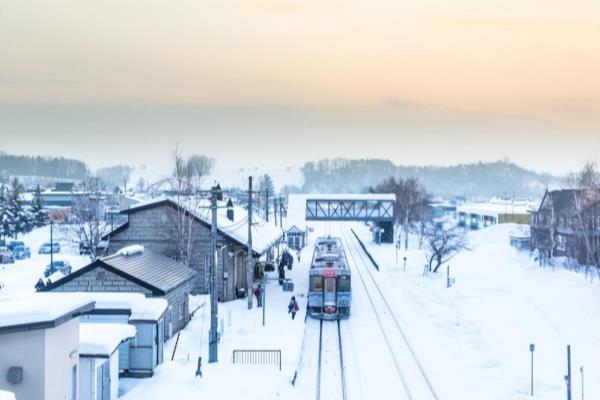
x=48, y=167
x=501, y=178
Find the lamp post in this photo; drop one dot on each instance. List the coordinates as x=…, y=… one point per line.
x=404, y=268
x=213, y=339
x=532, y=349
x=51, y=247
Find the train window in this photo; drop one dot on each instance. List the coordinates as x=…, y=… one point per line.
x=330, y=284
x=343, y=283
x=316, y=283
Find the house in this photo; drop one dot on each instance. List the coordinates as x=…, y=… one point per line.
x=39, y=347
x=137, y=270
x=99, y=359
x=481, y=215
x=153, y=224
x=566, y=223
x=138, y=357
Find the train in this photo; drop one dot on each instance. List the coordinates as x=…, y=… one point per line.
x=330, y=283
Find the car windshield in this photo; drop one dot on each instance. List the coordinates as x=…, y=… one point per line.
x=46, y=245
x=19, y=248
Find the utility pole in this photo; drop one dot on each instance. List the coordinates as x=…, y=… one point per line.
x=267, y=204
x=275, y=209
x=250, y=270
x=213, y=353
x=281, y=212
x=568, y=376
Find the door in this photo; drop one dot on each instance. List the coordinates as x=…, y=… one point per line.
x=329, y=295
x=160, y=341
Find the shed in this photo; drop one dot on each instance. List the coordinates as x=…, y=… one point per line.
x=137, y=270
x=99, y=359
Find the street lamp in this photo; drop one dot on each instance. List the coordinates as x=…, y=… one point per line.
x=532, y=349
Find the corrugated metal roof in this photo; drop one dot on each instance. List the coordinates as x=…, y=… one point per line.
x=155, y=269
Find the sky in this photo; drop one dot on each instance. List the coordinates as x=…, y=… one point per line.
x=272, y=83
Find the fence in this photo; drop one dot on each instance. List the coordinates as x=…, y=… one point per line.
x=262, y=357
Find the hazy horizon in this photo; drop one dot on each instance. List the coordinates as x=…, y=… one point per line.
x=266, y=84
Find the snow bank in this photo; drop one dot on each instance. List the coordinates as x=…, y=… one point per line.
x=131, y=250
x=102, y=339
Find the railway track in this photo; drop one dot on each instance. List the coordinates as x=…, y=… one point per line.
x=414, y=379
x=331, y=383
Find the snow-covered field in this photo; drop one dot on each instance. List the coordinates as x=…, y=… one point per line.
x=473, y=338
x=20, y=278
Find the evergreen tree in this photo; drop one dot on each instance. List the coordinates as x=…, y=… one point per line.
x=4, y=226
x=18, y=217
x=39, y=215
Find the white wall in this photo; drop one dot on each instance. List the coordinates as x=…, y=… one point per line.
x=60, y=355
x=23, y=349
x=114, y=375
x=87, y=378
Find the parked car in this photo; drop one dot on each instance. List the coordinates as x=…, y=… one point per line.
x=21, y=252
x=48, y=248
x=58, y=265
x=6, y=257
x=14, y=243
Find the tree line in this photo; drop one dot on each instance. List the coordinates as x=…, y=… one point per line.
x=54, y=167
x=501, y=178
x=15, y=217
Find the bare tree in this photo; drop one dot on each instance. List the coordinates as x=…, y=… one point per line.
x=442, y=244
x=412, y=202
x=86, y=224
x=188, y=176
x=586, y=183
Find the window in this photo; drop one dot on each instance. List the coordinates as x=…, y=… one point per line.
x=330, y=284
x=316, y=283
x=343, y=283
x=561, y=243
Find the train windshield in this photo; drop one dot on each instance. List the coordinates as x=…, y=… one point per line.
x=330, y=284
x=316, y=283
x=343, y=283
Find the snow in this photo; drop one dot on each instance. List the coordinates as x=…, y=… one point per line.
x=264, y=234
x=480, y=328
x=142, y=308
x=493, y=209
x=20, y=278
x=6, y=395
x=102, y=339
x=29, y=309
x=131, y=250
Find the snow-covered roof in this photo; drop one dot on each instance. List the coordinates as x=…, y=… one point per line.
x=142, y=308
x=6, y=395
x=494, y=209
x=30, y=313
x=296, y=207
x=102, y=339
x=264, y=234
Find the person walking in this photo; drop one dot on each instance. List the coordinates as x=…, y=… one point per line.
x=298, y=255
x=293, y=307
x=258, y=294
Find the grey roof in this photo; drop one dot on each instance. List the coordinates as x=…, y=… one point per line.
x=152, y=268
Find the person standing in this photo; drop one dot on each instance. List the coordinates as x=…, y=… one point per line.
x=293, y=307
x=258, y=294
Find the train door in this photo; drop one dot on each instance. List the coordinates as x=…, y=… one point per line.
x=329, y=295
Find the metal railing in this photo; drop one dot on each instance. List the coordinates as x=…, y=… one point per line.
x=258, y=357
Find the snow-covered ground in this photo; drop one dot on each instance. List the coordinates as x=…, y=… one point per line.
x=473, y=338
x=21, y=277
